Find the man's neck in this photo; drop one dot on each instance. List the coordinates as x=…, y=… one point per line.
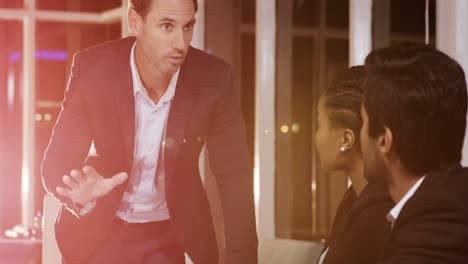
x=401, y=182
x=154, y=81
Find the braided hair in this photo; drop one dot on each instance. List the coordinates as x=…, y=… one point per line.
x=343, y=99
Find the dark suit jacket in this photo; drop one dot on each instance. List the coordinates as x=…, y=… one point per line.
x=99, y=107
x=433, y=225
x=360, y=230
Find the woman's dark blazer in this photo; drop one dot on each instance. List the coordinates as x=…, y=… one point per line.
x=360, y=231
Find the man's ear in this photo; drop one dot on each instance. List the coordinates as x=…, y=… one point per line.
x=385, y=141
x=134, y=22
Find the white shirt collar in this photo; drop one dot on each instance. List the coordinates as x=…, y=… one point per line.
x=395, y=212
x=138, y=84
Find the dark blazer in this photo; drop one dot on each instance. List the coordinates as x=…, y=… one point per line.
x=99, y=107
x=360, y=230
x=433, y=225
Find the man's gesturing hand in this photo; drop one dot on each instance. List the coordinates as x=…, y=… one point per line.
x=87, y=185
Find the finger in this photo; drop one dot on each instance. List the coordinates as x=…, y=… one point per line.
x=117, y=179
x=63, y=191
x=88, y=170
x=70, y=182
x=77, y=176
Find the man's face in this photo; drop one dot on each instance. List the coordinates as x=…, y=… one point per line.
x=164, y=34
x=375, y=169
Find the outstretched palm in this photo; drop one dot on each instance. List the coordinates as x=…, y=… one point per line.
x=86, y=185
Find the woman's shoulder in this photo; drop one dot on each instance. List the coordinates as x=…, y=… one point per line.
x=375, y=194
x=374, y=201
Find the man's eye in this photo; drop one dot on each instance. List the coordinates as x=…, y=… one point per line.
x=167, y=26
x=189, y=27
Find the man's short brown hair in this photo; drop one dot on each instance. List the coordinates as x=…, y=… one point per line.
x=142, y=6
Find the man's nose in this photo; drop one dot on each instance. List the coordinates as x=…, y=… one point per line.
x=179, y=40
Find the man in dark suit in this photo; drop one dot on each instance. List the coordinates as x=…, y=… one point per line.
x=414, y=117
x=149, y=104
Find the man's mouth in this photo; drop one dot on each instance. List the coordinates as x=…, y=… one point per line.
x=176, y=59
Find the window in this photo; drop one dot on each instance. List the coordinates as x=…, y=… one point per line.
x=32, y=87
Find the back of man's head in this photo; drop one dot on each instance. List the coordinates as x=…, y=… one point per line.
x=420, y=94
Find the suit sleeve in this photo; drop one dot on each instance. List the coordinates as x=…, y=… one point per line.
x=229, y=161
x=70, y=141
x=430, y=229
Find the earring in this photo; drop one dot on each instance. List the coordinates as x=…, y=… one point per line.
x=343, y=149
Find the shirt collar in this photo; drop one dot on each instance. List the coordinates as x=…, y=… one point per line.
x=138, y=84
x=395, y=212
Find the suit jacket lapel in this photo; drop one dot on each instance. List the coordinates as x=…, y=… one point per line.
x=125, y=103
x=179, y=117
x=431, y=179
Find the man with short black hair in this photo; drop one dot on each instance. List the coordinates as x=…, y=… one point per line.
x=149, y=104
x=414, y=118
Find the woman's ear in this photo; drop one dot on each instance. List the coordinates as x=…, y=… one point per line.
x=347, y=140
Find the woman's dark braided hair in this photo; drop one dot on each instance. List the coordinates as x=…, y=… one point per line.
x=343, y=99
